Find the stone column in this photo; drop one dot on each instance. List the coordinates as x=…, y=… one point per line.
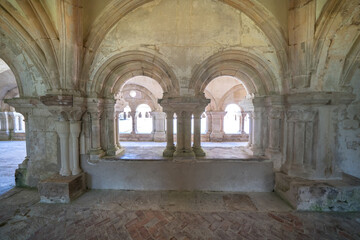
x=159, y=125
x=199, y=152
x=170, y=148
x=217, y=133
x=184, y=108
x=117, y=137
x=95, y=108
x=111, y=128
x=209, y=122
x=250, y=129
x=256, y=146
x=242, y=117
x=133, y=121
x=75, y=128
x=183, y=146
x=63, y=129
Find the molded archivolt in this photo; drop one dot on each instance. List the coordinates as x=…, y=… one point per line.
x=153, y=104
x=117, y=9
x=32, y=34
x=334, y=60
x=29, y=80
x=113, y=74
x=250, y=69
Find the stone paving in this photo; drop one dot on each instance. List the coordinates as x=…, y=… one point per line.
x=106, y=214
x=12, y=153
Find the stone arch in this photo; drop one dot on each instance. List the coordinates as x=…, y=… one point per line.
x=117, y=9
x=28, y=78
x=213, y=104
x=256, y=76
x=352, y=62
x=153, y=104
x=334, y=61
x=222, y=102
x=111, y=76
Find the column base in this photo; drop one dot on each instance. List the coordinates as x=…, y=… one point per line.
x=58, y=189
x=115, y=151
x=169, y=152
x=96, y=154
x=319, y=195
x=184, y=154
x=257, y=151
x=199, y=152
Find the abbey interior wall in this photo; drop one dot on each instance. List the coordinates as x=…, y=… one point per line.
x=299, y=68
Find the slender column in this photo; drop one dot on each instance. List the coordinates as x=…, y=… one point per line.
x=133, y=121
x=158, y=126
x=62, y=128
x=257, y=133
x=243, y=116
x=209, y=122
x=75, y=128
x=117, y=142
x=217, y=133
x=183, y=147
x=250, y=129
x=96, y=149
x=170, y=148
x=199, y=152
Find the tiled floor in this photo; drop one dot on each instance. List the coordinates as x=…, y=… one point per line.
x=106, y=214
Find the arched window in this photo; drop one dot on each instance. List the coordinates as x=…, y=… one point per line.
x=232, y=118
x=144, y=119
x=125, y=121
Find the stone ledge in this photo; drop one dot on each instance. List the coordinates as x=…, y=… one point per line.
x=319, y=195
x=59, y=189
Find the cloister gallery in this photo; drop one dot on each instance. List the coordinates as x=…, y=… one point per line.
x=283, y=76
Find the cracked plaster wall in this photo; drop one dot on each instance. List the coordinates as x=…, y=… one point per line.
x=195, y=31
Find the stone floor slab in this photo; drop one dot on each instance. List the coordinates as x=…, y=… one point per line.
x=110, y=214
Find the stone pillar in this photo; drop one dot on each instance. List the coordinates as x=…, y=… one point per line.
x=273, y=151
x=63, y=129
x=75, y=128
x=95, y=108
x=250, y=129
x=111, y=129
x=311, y=143
x=199, y=152
x=256, y=146
x=133, y=121
x=170, y=148
x=209, y=122
x=117, y=137
x=183, y=146
x=184, y=108
x=159, y=125
x=242, y=118
x=217, y=133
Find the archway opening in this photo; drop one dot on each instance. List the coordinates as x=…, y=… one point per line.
x=12, y=127
x=144, y=119
x=227, y=115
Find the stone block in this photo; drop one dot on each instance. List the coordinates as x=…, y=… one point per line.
x=319, y=195
x=59, y=189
